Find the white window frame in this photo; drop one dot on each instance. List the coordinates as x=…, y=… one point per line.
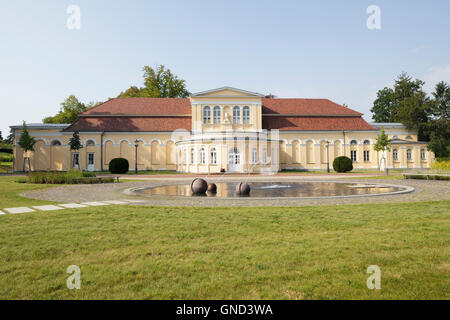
x=366, y=155
x=75, y=164
x=254, y=156
x=213, y=155
x=207, y=115
x=408, y=154
x=192, y=156
x=423, y=154
x=395, y=155
x=264, y=156
x=202, y=156
x=236, y=115
x=353, y=155
x=216, y=115
x=246, y=115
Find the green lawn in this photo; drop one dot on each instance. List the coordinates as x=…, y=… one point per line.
x=9, y=193
x=136, y=252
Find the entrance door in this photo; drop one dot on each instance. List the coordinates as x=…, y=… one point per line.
x=234, y=160
x=91, y=161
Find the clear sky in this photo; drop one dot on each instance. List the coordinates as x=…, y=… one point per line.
x=304, y=49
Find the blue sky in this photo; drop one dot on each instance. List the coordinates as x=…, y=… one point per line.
x=305, y=49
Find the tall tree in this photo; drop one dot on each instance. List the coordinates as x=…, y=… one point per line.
x=69, y=111
x=390, y=102
x=159, y=82
x=1, y=137
x=26, y=142
x=438, y=127
x=383, y=144
x=75, y=142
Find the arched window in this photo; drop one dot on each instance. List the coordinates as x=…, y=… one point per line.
x=366, y=142
x=206, y=115
x=202, y=156
x=408, y=154
x=408, y=137
x=216, y=114
x=395, y=137
x=353, y=142
x=246, y=115
x=236, y=115
x=264, y=159
x=90, y=143
x=213, y=156
x=192, y=156
x=56, y=143
x=422, y=154
x=395, y=154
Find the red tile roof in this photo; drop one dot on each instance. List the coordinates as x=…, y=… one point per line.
x=131, y=124
x=140, y=106
x=305, y=107
x=141, y=115
x=315, y=123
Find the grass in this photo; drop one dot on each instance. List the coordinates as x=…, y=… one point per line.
x=9, y=193
x=139, y=252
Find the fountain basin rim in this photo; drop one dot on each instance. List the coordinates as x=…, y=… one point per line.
x=405, y=189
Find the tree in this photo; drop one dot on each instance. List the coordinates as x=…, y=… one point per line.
x=383, y=144
x=75, y=142
x=390, y=102
x=26, y=142
x=407, y=103
x=69, y=111
x=158, y=83
x=1, y=137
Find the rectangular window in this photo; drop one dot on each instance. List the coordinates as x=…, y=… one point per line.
x=236, y=115
x=353, y=155
x=264, y=159
x=246, y=115
x=192, y=156
x=91, y=159
x=213, y=156
x=366, y=155
x=216, y=115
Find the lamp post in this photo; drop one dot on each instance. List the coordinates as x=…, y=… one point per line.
x=328, y=156
x=136, y=144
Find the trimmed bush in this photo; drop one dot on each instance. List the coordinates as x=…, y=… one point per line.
x=69, y=177
x=342, y=164
x=119, y=165
x=6, y=157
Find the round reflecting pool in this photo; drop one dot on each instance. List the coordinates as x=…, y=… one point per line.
x=276, y=190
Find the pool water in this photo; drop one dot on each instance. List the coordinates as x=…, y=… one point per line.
x=275, y=190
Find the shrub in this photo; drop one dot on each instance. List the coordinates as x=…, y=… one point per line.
x=440, y=167
x=69, y=177
x=6, y=157
x=119, y=165
x=342, y=164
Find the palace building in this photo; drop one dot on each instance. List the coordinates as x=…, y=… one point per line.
x=220, y=130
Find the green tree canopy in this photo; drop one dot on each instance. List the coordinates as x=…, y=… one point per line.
x=26, y=142
x=75, y=142
x=158, y=83
x=409, y=104
x=69, y=111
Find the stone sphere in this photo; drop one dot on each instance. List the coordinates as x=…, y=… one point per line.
x=243, y=189
x=199, y=186
x=212, y=188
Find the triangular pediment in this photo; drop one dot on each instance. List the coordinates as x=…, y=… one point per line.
x=226, y=92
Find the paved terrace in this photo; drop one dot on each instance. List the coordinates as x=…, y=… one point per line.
x=424, y=191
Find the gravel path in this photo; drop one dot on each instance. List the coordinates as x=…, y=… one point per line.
x=424, y=191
